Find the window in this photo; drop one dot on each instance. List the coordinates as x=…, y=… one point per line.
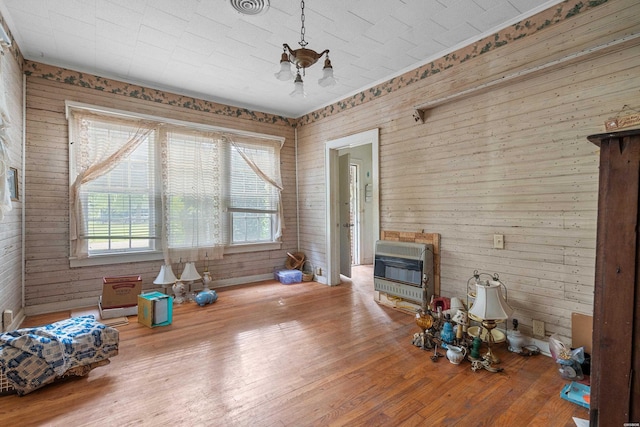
x=143, y=184
x=253, y=202
x=120, y=205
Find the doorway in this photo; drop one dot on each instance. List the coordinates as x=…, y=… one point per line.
x=339, y=199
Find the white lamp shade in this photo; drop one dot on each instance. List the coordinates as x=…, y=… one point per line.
x=285, y=73
x=327, y=77
x=298, y=89
x=490, y=304
x=166, y=276
x=190, y=273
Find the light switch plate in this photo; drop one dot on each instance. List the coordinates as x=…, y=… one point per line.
x=498, y=241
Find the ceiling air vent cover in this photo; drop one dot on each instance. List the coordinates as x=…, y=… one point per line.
x=250, y=7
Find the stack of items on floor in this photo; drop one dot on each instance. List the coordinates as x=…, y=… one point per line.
x=297, y=269
x=119, y=296
x=31, y=358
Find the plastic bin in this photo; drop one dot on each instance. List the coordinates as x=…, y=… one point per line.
x=288, y=277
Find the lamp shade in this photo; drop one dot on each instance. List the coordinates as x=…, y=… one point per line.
x=490, y=304
x=327, y=75
x=461, y=318
x=166, y=276
x=285, y=73
x=190, y=273
x=298, y=87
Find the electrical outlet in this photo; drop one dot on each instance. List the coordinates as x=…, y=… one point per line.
x=538, y=328
x=498, y=241
x=318, y=271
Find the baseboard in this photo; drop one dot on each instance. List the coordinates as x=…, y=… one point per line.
x=321, y=279
x=17, y=321
x=540, y=343
x=76, y=304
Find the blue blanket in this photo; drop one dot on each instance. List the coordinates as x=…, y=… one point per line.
x=33, y=357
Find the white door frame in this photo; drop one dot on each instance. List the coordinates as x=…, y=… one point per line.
x=331, y=181
x=357, y=217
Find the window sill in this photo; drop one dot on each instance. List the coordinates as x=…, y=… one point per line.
x=252, y=247
x=115, y=259
x=157, y=256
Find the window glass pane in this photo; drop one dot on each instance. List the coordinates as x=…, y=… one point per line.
x=252, y=227
x=120, y=205
x=247, y=189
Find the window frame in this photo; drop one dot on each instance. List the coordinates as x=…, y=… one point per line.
x=139, y=256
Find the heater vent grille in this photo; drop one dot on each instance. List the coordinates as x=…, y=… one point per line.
x=400, y=249
x=250, y=7
x=399, y=268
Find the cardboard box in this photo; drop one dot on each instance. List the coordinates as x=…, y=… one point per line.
x=123, y=291
x=112, y=313
x=155, y=309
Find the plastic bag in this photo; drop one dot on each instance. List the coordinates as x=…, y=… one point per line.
x=569, y=361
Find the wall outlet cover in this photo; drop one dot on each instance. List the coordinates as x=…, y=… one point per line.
x=538, y=328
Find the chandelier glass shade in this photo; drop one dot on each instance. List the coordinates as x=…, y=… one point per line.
x=303, y=58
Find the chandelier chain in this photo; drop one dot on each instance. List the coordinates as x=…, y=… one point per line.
x=302, y=43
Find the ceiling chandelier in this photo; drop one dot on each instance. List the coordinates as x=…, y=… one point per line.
x=303, y=58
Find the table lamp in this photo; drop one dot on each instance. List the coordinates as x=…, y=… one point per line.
x=189, y=275
x=490, y=307
x=165, y=277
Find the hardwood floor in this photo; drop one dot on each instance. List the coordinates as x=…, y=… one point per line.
x=292, y=355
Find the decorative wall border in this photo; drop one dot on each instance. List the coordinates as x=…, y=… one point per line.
x=76, y=78
x=517, y=31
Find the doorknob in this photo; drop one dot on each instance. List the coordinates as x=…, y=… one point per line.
x=347, y=225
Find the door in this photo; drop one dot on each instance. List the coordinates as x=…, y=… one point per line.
x=344, y=202
x=333, y=221
x=356, y=211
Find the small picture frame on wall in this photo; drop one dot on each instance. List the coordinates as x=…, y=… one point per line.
x=12, y=177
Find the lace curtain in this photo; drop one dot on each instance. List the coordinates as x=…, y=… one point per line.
x=194, y=168
x=5, y=194
x=98, y=153
x=194, y=224
x=266, y=167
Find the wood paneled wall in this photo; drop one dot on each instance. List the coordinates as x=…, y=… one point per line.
x=50, y=282
x=512, y=161
x=11, y=225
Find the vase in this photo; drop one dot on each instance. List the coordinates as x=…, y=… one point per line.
x=446, y=334
x=456, y=354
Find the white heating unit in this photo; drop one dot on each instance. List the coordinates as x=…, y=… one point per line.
x=399, y=268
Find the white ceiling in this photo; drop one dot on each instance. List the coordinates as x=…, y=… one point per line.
x=206, y=49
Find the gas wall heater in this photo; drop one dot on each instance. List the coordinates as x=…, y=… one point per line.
x=399, y=268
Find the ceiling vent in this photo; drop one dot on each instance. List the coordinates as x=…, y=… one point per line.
x=250, y=7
